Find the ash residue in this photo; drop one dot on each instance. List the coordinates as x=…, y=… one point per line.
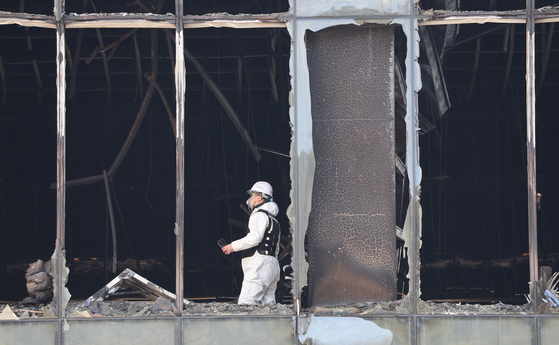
x=447, y=308
x=22, y=311
x=388, y=307
x=476, y=13
x=402, y=307
x=163, y=307
x=114, y=309
x=214, y=309
x=547, y=9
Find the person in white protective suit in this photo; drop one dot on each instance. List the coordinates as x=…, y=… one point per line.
x=259, y=248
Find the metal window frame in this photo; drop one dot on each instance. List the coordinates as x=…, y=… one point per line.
x=180, y=22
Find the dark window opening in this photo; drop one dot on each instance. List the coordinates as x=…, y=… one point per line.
x=104, y=94
x=474, y=186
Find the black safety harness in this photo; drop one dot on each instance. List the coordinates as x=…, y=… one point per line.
x=269, y=241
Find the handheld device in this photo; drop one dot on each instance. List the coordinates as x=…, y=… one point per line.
x=221, y=243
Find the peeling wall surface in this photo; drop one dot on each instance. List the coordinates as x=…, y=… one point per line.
x=302, y=153
x=412, y=225
x=349, y=7
x=351, y=233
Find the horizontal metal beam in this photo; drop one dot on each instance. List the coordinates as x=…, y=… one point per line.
x=144, y=20
x=28, y=20
x=547, y=15
x=112, y=20
x=81, y=181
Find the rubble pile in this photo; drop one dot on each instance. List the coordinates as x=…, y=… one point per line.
x=427, y=307
x=216, y=308
x=21, y=311
x=357, y=309
x=39, y=282
x=112, y=309
x=163, y=307
x=447, y=308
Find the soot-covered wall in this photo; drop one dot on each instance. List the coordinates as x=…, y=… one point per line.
x=351, y=232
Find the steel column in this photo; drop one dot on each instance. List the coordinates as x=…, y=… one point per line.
x=531, y=141
x=180, y=83
x=413, y=76
x=60, y=151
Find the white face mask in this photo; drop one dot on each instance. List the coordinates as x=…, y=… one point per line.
x=249, y=201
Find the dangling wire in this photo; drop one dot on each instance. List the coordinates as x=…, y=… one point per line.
x=522, y=149
x=497, y=160
x=251, y=123
x=122, y=221
x=224, y=155
x=106, y=245
x=432, y=211
x=473, y=207
x=402, y=212
x=250, y=107
x=441, y=221
x=150, y=157
x=548, y=230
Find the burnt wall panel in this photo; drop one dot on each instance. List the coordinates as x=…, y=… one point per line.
x=351, y=232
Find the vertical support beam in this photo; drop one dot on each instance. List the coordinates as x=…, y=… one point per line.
x=412, y=152
x=509, y=63
x=4, y=83
x=413, y=227
x=297, y=286
x=60, y=155
x=3, y=222
x=112, y=218
x=138, y=66
x=295, y=191
x=105, y=65
x=154, y=53
x=474, y=72
x=61, y=125
x=531, y=145
x=180, y=86
x=171, y=57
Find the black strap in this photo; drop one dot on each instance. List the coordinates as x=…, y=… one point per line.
x=269, y=241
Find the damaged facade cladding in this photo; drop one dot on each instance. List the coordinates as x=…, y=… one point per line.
x=409, y=320
x=303, y=169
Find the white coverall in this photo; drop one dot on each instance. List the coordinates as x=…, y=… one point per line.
x=261, y=272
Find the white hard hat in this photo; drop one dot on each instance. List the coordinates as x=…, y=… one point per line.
x=262, y=187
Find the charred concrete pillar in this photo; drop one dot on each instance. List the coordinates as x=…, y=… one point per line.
x=351, y=233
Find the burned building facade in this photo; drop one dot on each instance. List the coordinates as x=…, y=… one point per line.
x=399, y=136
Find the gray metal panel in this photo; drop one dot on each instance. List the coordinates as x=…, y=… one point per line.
x=351, y=237
x=477, y=330
x=238, y=331
x=28, y=332
x=121, y=331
